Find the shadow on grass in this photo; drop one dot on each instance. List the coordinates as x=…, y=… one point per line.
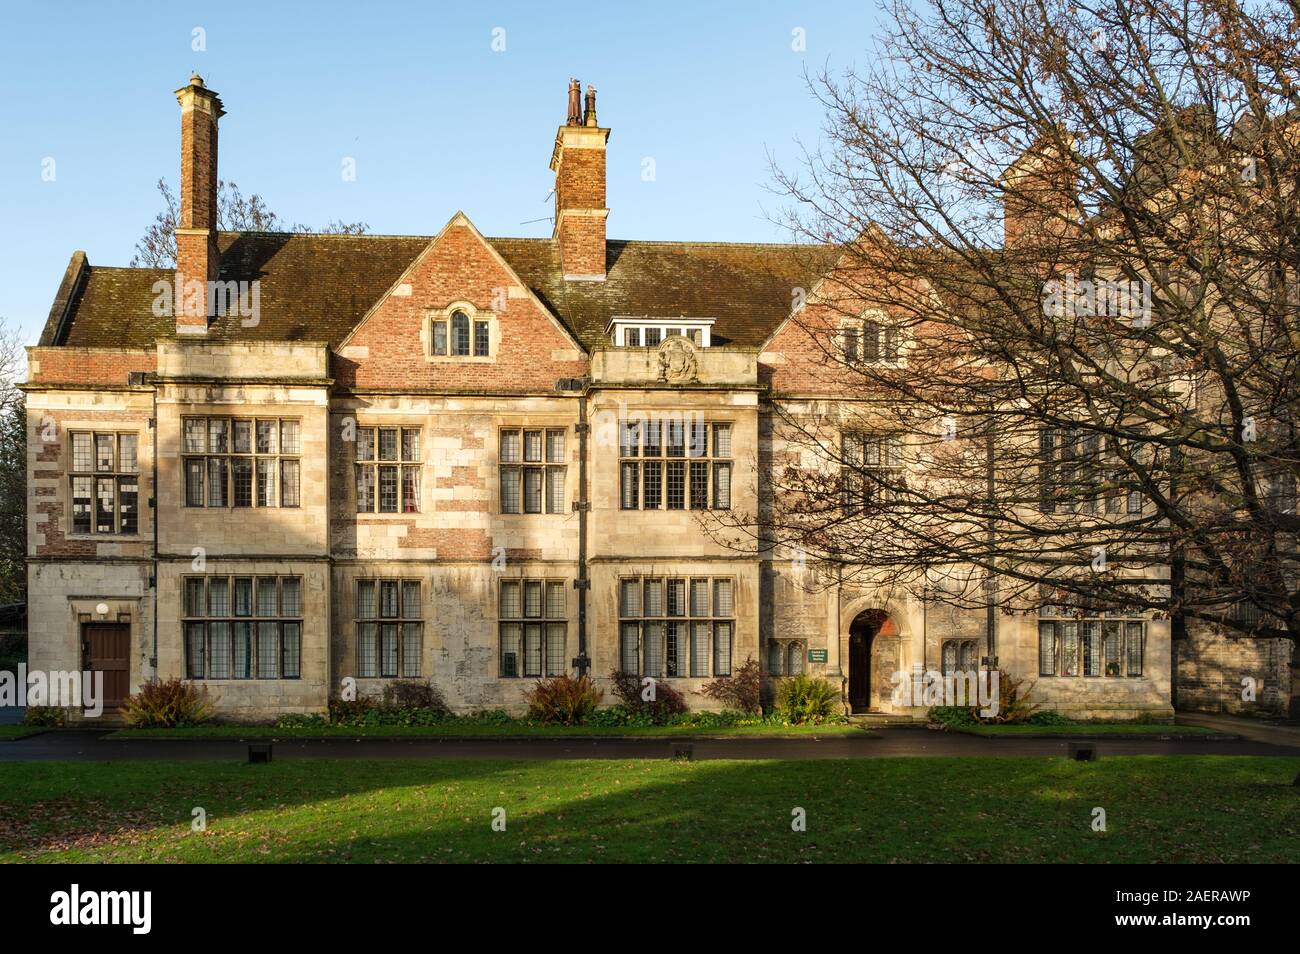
x=1191, y=809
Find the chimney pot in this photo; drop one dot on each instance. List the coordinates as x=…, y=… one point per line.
x=589, y=116
x=575, y=106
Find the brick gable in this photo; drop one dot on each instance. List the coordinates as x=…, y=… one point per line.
x=389, y=348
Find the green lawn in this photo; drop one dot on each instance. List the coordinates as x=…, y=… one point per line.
x=1191, y=809
x=18, y=731
x=1094, y=729
x=455, y=730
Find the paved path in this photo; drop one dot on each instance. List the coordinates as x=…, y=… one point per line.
x=1256, y=730
x=89, y=745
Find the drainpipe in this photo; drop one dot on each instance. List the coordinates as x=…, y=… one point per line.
x=990, y=619
x=153, y=507
x=583, y=506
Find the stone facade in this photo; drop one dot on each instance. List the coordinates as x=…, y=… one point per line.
x=452, y=562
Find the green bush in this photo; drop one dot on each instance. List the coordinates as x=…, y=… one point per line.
x=301, y=720
x=951, y=716
x=807, y=700
x=1049, y=717
x=563, y=700
x=52, y=717
x=166, y=704
x=407, y=694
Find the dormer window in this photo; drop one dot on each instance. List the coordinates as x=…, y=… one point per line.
x=628, y=332
x=461, y=332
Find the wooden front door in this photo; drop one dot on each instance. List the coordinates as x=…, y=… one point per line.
x=108, y=650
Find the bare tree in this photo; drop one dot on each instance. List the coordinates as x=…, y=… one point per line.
x=13, y=469
x=235, y=213
x=1065, y=309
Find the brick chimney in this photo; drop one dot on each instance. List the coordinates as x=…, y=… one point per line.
x=579, y=165
x=197, y=259
x=1038, y=194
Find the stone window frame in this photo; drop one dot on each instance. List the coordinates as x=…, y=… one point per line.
x=116, y=474
x=403, y=623
x=782, y=654
x=635, y=460
x=375, y=465
x=550, y=621
x=1074, y=466
x=438, y=331
x=874, y=326
x=965, y=656
x=868, y=478
x=1064, y=638
x=701, y=661
x=551, y=470
x=230, y=455
x=207, y=619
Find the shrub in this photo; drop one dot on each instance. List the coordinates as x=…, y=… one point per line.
x=807, y=700
x=741, y=690
x=1013, y=702
x=1048, y=717
x=413, y=695
x=52, y=717
x=167, y=704
x=563, y=700
x=301, y=720
x=951, y=716
x=667, y=702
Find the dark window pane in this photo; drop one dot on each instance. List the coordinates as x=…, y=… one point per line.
x=388, y=490
x=459, y=334
x=105, y=497
x=216, y=482
x=481, y=339
x=241, y=471
x=128, y=495
x=292, y=650
x=289, y=471
x=699, y=485
x=81, y=488
x=654, y=484
x=194, y=482
x=676, y=485
x=533, y=490
x=410, y=490
x=104, y=452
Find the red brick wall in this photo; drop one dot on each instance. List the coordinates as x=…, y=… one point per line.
x=86, y=365
x=459, y=267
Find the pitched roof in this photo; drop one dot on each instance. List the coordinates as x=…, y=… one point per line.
x=317, y=287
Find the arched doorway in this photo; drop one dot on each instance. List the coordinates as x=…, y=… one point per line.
x=863, y=633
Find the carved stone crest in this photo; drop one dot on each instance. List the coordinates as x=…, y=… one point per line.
x=677, y=361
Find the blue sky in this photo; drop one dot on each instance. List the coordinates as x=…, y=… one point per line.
x=435, y=119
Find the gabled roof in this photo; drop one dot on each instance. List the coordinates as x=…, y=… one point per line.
x=317, y=287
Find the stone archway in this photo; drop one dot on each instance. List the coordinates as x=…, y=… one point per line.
x=874, y=648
